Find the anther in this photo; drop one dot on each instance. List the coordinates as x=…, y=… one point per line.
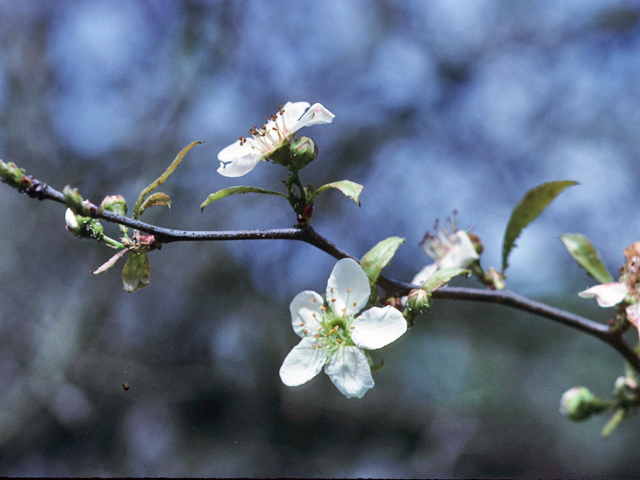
x=331, y=290
x=333, y=300
x=314, y=315
x=302, y=324
x=354, y=304
x=314, y=300
x=316, y=335
x=343, y=310
x=348, y=290
x=338, y=340
x=305, y=331
x=351, y=328
x=313, y=346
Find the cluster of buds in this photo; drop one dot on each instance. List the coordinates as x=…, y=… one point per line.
x=578, y=404
x=84, y=227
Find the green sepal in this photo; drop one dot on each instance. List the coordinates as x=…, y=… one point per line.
x=349, y=188
x=161, y=179
x=379, y=257
x=613, y=423
x=155, y=200
x=583, y=252
x=136, y=272
x=235, y=190
x=442, y=277
x=532, y=204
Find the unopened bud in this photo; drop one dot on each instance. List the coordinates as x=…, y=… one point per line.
x=73, y=199
x=304, y=150
x=115, y=204
x=495, y=279
x=419, y=301
x=578, y=403
x=84, y=227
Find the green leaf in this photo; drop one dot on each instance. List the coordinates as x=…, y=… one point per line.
x=379, y=257
x=349, y=188
x=442, y=277
x=583, y=252
x=136, y=272
x=235, y=190
x=155, y=200
x=532, y=204
x=161, y=179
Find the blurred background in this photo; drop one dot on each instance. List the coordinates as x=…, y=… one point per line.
x=439, y=105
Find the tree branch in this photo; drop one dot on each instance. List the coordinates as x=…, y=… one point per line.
x=40, y=190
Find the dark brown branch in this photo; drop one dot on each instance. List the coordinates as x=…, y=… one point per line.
x=42, y=191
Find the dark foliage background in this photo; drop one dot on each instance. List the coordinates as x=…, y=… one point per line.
x=439, y=105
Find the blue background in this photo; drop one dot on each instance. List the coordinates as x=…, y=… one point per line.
x=440, y=105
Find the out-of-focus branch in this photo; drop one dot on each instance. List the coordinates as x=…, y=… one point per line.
x=40, y=190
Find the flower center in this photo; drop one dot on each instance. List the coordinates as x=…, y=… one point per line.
x=334, y=327
x=270, y=136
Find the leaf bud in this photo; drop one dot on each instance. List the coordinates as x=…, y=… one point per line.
x=73, y=200
x=578, y=404
x=115, y=204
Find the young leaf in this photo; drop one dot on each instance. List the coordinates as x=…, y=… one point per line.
x=379, y=257
x=349, y=188
x=157, y=199
x=532, y=204
x=161, y=179
x=110, y=263
x=583, y=252
x=136, y=272
x=442, y=277
x=235, y=190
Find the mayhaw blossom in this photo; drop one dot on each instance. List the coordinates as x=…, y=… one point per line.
x=242, y=156
x=455, y=249
x=611, y=294
x=332, y=335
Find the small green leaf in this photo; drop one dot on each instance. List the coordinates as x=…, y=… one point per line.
x=613, y=423
x=583, y=252
x=532, y=204
x=442, y=277
x=349, y=188
x=155, y=200
x=136, y=272
x=379, y=257
x=161, y=179
x=235, y=190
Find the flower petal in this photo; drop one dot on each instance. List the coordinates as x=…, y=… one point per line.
x=348, y=288
x=292, y=113
x=424, y=274
x=239, y=166
x=302, y=364
x=607, y=294
x=350, y=372
x=462, y=253
x=302, y=308
x=633, y=314
x=378, y=327
x=233, y=151
x=316, y=115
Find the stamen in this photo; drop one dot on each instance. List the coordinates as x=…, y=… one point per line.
x=313, y=346
x=331, y=290
x=314, y=300
x=316, y=335
x=338, y=340
x=354, y=304
x=305, y=331
x=323, y=308
x=319, y=345
x=351, y=328
x=343, y=310
x=302, y=324
x=348, y=290
x=333, y=300
x=314, y=315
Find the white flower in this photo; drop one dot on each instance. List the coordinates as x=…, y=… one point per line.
x=70, y=219
x=611, y=294
x=242, y=156
x=332, y=335
x=448, y=250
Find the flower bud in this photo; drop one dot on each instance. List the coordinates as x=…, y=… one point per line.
x=72, y=223
x=72, y=199
x=419, y=301
x=495, y=279
x=578, y=404
x=115, y=204
x=304, y=150
x=84, y=227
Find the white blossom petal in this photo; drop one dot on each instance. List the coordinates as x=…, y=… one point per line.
x=302, y=308
x=292, y=113
x=240, y=165
x=633, y=314
x=607, y=294
x=316, y=115
x=350, y=372
x=302, y=364
x=462, y=252
x=349, y=286
x=378, y=327
x=424, y=274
